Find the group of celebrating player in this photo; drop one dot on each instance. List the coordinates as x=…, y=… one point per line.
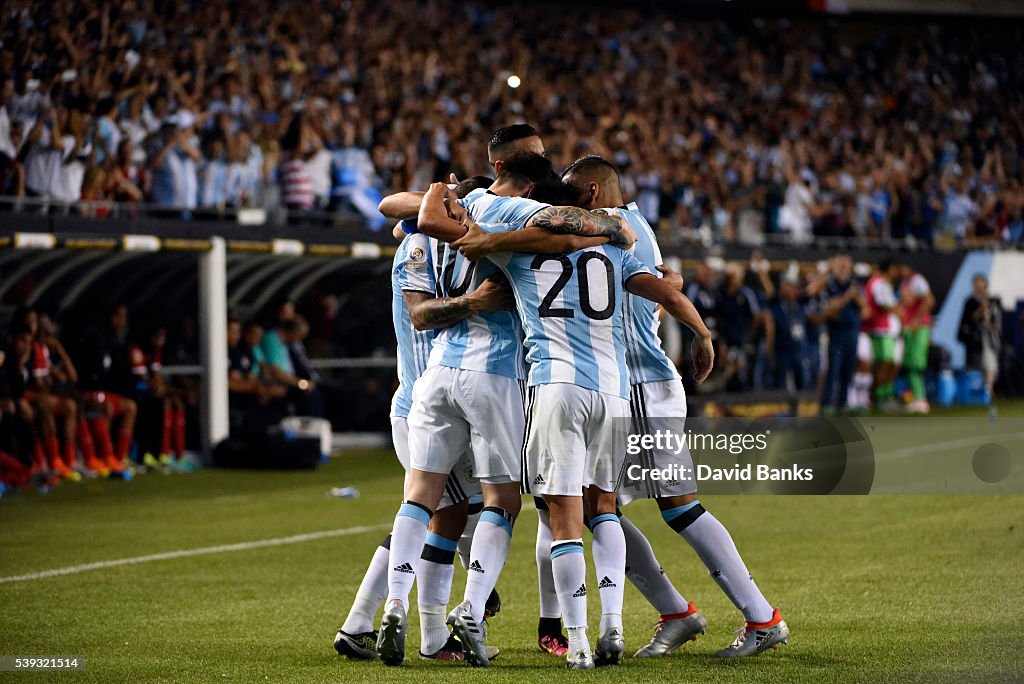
x=525, y=312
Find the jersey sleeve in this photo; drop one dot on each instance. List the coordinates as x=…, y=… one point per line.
x=631, y=266
x=522, y=210
x=515, y=211
x=497, y=227
x=658, y=261
x=919, y=286
x=415, y=272
x=883, y=294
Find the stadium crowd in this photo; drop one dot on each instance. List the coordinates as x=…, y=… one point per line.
x=857, y=340
x=723, y=131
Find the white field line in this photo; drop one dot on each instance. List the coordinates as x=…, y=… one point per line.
x=939, y=447
x=205, y=551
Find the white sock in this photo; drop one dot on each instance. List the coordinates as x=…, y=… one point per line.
x=466, y=540
x=646, y=573
x=569, y=568
x=433, y=589
x=609, y=551
x=578, y=639
x=491, y=542
x=859, y=393
x=545, y=582
x=371, y=593
x=716, y=549
x=406, y=546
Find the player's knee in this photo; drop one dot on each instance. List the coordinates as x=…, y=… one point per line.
x=668, y=502
x=500, y=517
x=129, y=408
x=682, y=516
x=449, y=521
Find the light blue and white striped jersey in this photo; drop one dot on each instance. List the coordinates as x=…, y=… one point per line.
x=571, y=307
x=486, y=207
x=412, y=270
x=645, y=358
x=489, y=342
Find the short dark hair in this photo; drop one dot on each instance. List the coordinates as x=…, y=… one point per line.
x=527, y=167
x=885, y=264
x=506, y=135
x=558, y=194
x=592, y=165
x=470, y=184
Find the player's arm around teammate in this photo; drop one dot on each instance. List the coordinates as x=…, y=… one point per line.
x=432, y=313
x=681, y=308
x=447, y=221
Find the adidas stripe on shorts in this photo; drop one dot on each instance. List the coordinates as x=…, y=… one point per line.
x=657, y=406
x=575, y=438
x=460, y=485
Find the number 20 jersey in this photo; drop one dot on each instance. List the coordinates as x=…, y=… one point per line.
x=571, y=308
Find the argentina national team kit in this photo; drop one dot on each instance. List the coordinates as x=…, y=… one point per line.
x=471, y=396
x=571, y=309
x=413, y=271
x=657, y=400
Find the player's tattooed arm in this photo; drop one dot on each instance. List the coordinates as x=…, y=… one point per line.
x=436, y=313
x=578, y=221
x=477, y=244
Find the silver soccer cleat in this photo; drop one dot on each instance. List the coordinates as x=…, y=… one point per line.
x=391, y=637
x=610, y=647
x=673, y=633
x=752, y=639
x=470, y=633
x=580, y=660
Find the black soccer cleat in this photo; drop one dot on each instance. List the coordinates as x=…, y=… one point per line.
x=356, y=646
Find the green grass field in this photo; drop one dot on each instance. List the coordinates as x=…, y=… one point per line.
x=881, y=588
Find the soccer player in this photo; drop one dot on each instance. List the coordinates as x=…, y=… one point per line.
x=107, y=382
x=56, y=414
x=916, y=304
x=882, y=325
x=508, y=141
x=657, y=397
x=415, y=318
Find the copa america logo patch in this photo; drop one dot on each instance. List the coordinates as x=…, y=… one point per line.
x=417, y=256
